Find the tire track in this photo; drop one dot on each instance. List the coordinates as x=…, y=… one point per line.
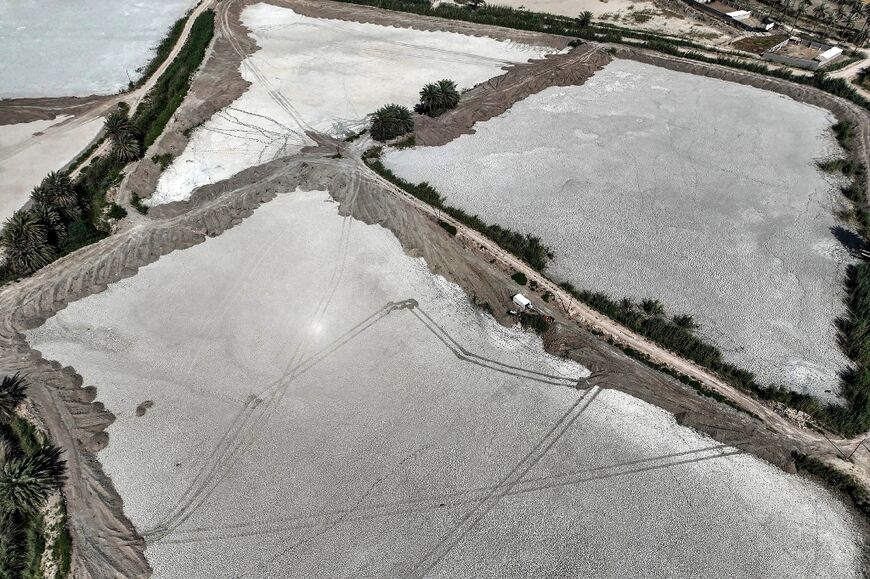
x=504, y=486
x=446, y=500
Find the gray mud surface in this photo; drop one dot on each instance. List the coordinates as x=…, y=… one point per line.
x=651, y=183
x=325, y=407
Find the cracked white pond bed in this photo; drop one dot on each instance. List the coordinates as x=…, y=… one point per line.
x=654, y=183
x=28, y=151
x=269, y=452
x=63, y=48
x=324, y=75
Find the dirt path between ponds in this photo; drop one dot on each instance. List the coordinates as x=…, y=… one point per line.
x=26, y=110
x=497, y=95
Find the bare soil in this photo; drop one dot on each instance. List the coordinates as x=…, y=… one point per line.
x=25, y=110
x=217, y=84
x=497, y=95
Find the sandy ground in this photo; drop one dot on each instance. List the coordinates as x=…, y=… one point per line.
x=59, y=48
x=378, y=445
x=632, y=185
x=28, y=151
x=628, y=13
x=292, y=92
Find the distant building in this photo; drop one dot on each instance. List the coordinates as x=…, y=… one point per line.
x=733, y=14
x=803, y=53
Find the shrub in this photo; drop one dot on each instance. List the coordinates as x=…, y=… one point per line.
x=520, y=278
x=534, y=322
x=449, y=228
x=116, y=211
x=163, y=160
x=136, y=202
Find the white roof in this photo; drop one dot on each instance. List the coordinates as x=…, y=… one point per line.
x=522, y=300
x=830, y=53
x=738, y=14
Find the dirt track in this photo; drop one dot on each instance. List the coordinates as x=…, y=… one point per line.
x=25, y=110
x=498, y=94
x=106, y=544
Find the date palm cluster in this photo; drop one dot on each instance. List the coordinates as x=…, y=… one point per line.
x=436, y=98
x=29, y=473
x=126, y=141
x=391, y=121
x=32, y=237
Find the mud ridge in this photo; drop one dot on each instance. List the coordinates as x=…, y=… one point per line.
x=25, y=110
x=497, y=95
x=216, y=85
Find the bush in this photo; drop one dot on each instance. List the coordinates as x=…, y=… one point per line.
x=163, y=160
x=520, y=278
x=136, y=202
x=449, y=228
x=534, y=322
x=116, y=212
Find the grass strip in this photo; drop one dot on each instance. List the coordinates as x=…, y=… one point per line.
x=841, y=481
x=162, y=101
x=525, y=246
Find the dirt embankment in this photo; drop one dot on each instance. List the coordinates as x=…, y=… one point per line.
x=363, y=197
x=217, y=84
x=367, y=14
x=105, y=542
x=25, y=110
x=497, y=95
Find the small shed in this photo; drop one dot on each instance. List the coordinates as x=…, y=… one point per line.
x=522, y=301
x=830, y=53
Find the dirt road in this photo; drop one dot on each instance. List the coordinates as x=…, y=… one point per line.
x=134, y=97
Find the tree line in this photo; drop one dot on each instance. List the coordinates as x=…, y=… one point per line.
x=66, y=214
x=30, y=472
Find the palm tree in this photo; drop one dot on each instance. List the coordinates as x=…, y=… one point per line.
x=438, y=97
x=52, y=220
x=26, y=242
x=652, y=307
x=391, y=121
x=584, y=19
x=126, y=147
x=27, y=481
x=431, y=100
x=449, y=93
x=57, y=192
x=125, y=138
x=12, y=389
x=117, y=123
